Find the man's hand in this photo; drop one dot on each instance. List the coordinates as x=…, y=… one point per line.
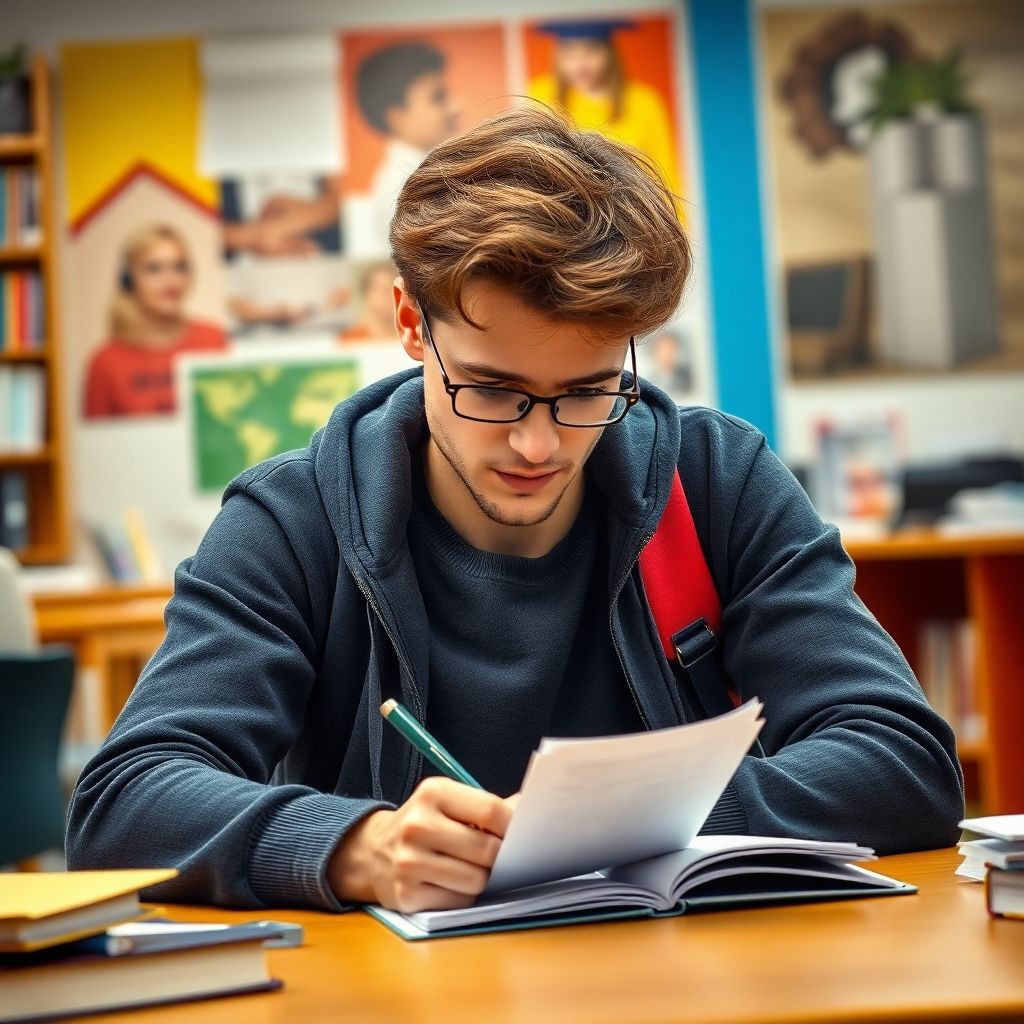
x=434, y=853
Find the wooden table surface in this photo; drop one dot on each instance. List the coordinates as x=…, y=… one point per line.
x=932, y=956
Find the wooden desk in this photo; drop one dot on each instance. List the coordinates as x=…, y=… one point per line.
x=113, y=631
x=933, y=956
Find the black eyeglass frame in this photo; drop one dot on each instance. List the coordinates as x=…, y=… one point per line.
x=632, y=396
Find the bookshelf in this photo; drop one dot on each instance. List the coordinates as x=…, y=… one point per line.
x=43, y=470
x=920, y=577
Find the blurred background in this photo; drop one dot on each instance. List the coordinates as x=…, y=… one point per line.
x=194, y=200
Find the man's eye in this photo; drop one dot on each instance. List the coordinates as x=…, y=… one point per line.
x=492, y=394
x=588, y=392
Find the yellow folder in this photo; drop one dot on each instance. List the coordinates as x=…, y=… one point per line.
x=43, y=908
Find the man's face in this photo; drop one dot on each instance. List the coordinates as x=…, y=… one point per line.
x=427, y=117
x=515, y=474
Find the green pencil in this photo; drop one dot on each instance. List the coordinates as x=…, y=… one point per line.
x=397, y=716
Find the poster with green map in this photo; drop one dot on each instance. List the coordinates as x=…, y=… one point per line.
x=245, y=412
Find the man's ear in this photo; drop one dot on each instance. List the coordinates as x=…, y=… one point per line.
x=407, y=321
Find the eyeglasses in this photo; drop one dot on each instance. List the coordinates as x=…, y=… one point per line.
x=583, y=407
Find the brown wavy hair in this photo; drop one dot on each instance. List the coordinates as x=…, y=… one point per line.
x=584, y=229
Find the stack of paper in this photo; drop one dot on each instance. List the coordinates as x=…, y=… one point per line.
x=1002, y=847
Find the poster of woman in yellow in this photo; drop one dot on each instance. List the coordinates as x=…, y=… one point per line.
x=614, y=76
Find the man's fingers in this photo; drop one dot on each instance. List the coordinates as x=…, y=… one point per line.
x=456, y=839
x=410, y=899
x=426, y=867
x=471, y=806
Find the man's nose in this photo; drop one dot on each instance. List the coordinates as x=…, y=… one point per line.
x=535, y=436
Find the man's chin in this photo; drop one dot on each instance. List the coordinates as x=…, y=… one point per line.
x=524, y=510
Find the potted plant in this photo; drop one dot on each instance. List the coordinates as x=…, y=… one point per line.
x=934, y=257
x=15, y=93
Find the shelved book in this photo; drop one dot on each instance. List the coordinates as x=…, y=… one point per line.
x=19, y=206
x=22, y=408
x=22, y=314
x=713, y=873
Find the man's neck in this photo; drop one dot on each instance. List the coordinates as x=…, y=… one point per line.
x=454, y=501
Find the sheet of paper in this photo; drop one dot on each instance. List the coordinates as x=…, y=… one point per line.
x=593, y=803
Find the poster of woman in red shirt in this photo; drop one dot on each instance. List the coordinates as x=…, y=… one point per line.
x=132, y=372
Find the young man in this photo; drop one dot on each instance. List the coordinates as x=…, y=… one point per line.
x=464, y=537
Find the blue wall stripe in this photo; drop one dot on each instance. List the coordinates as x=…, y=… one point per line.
x=723, y=57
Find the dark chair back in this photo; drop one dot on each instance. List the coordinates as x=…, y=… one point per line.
x=35, y=690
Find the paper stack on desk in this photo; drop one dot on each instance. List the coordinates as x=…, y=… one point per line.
x=997, y=860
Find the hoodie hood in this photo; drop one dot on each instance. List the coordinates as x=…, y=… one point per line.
x=363, y=466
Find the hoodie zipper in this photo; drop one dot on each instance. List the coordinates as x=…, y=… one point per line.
x=615, y=643
x=407, y=668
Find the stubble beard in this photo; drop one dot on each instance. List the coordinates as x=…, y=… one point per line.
x=491, y=509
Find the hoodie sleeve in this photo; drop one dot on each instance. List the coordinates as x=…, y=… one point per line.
x=854, y=751
x=184, y=778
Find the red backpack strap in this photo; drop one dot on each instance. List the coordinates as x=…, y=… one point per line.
x=676, y=577
x=684, y=601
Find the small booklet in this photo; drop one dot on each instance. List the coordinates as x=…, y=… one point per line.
x=637, y=803
x=714, y=872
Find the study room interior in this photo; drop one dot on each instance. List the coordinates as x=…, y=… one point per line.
x=195, y=270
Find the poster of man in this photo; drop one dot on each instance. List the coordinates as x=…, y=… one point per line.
x=404, y=92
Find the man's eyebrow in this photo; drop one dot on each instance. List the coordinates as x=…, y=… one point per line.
x=483, y=370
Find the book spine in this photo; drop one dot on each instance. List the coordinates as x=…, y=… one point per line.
x=13, y=510
x=992, y=876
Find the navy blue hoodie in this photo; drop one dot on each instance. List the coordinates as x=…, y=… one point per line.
x=252, y=742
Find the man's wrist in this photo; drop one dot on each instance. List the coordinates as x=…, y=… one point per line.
x=349, y=871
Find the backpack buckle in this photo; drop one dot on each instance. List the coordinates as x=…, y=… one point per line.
x=693, y=643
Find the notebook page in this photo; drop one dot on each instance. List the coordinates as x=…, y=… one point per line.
x=587, y=804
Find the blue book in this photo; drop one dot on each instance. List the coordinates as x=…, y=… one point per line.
x=89, y=976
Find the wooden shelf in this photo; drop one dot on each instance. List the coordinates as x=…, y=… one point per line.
x=977, y=750
x=932, y=544
x=19, y=147
x=41, y=554
x=8, y=460
x=20, y=253
x=31, y=356
x=45, y=471
x=910, y=579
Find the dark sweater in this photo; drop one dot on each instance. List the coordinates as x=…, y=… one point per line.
x=519, y=647
x=252, y=742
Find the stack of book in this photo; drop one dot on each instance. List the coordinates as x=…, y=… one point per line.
x=997, y=859
x=79, y=942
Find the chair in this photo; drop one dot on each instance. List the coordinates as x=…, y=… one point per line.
x=35, y=690
x=17, y=631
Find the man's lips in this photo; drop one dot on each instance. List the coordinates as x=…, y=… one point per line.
x=523, y=482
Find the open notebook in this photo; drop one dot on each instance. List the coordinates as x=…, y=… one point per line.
x=714, y=872
x=638, y=802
